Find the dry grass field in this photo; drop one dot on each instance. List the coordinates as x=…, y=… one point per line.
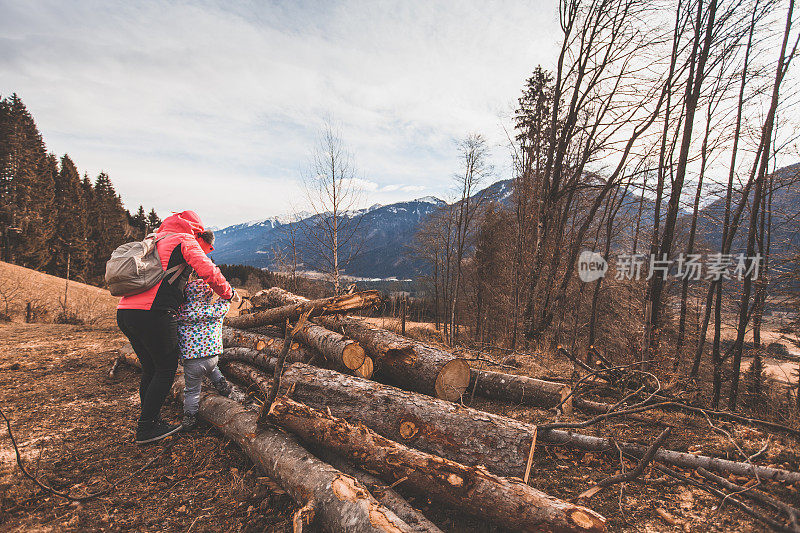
x=50, y=296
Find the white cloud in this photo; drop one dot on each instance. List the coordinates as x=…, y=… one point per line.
x=213, y=106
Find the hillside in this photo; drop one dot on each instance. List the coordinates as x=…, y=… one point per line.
x=89, y=304
x=785, y=228
x=386, y=232
x=20, y=285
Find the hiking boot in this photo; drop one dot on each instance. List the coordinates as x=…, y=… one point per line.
x=150, y=431
x=189, y=422
x=223, y=387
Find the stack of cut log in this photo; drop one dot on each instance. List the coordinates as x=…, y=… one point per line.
x=328, y=400
x=355, y=400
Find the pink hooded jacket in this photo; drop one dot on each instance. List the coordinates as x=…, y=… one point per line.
x=187, y=226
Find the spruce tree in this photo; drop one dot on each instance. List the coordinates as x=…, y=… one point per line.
x=153, y=222
x=139, y=222
x=108, y=223
x=25, y=186
x=70, y=240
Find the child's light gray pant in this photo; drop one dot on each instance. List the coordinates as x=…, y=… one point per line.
x=193, y=372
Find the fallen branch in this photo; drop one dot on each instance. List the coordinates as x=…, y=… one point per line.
x=751, y=492
x=324, y=306
x=631, y=475
x=777, y=526
x=65, y=494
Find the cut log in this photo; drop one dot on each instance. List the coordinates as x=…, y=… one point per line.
x=335, y=347
x=336, y=501
x=262, y=361
x=323, y=306
x=271, y=346
x=410, y=364
x=382, y=492
x=393, y=354
x=244, y=373
x=467, y=435
x=507, y=502
x=511, y=388
x=275, y=297
x=366, y=369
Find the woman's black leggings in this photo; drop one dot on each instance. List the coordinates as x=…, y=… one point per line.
x=154, y=338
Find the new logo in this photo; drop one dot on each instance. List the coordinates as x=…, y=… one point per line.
x=591, y=266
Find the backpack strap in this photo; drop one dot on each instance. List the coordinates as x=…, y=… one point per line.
x=173, y=273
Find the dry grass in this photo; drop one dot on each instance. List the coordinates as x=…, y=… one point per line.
x=20, y=286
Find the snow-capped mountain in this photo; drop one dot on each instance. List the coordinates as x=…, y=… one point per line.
x=385, y=233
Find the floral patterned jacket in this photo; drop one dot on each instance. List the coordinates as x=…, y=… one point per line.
x=200, y=321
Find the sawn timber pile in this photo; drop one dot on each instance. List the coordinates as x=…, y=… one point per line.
x=463, y=458
x=399, y=360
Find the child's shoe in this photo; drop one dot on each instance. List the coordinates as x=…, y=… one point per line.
x=189, y=422
x=223, y=387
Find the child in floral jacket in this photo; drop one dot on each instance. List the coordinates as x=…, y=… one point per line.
x=200, y=343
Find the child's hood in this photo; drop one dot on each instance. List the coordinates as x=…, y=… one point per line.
x=198, y=291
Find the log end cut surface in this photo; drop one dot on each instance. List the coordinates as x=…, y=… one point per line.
x=366, y=368
x=353, y=356
x=453, y=380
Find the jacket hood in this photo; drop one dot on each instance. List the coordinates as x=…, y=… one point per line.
x=183, y=222
x=197, y=291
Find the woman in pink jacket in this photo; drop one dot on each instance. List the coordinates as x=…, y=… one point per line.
x=149, y=319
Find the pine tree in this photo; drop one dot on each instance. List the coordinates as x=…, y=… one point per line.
x=139, y=222
x=70, y=240
x=25, y=186
x=108, y=223
x=153, y=222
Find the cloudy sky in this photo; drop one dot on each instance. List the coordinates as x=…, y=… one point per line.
x=216, y=107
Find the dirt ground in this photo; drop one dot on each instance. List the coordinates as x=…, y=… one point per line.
x=74, y=425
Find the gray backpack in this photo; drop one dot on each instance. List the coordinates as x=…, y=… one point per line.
x=135, y=267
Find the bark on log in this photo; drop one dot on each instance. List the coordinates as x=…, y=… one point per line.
x=271, y=346
x=511, y=388
x=244, y=373
x=335, y=347
x=323, y=306
x=507, y=502
x=339, y=502
x=275, y=297
x=383, y=493
x=410, y=364
x=468, y=435
x=589, y=406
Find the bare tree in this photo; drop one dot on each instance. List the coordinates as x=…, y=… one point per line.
x=332, y=192
x=593, y=117
x=473, y=155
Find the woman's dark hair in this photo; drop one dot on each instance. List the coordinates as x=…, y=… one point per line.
x=207, y=236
